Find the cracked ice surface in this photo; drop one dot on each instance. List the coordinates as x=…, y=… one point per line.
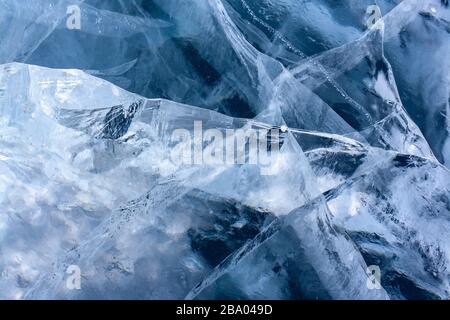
x=361, y=178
